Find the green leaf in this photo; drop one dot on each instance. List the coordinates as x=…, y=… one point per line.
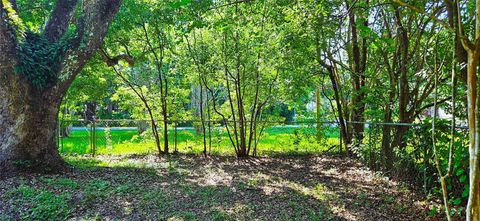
x=460, y=172
x=463, y=179
x=180, y=4
x=465, y=192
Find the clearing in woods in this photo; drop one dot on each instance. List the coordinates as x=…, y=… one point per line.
x=187, y=187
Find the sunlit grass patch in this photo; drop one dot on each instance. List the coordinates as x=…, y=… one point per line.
x=275, y=140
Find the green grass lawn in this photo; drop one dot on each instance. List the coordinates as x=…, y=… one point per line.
x=275, y=140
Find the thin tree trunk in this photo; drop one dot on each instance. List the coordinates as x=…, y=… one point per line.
x=232, y=109
x=318, y=114
x=165, y=115
x=473, y=105
x=404, y=89
x=163, y=83
x=141, y=96
x=473, y=207
x=240, y=105
x=461, y=54
x=209, y=124
x=387, y=149
x=358, y=64
x=154, y=127
x=202, y=119
x=165, y=128
x=341, y=117
x=443, y=182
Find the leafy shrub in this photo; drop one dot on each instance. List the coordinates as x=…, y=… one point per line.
x=457, y=182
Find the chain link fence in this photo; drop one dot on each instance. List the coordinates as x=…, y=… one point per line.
x=410, y=145
x=412, y=156
x=186, y=136
x=136, y=137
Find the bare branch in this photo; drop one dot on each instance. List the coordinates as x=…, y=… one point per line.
x=421, y=109
x=112, y=61
x=422, y=11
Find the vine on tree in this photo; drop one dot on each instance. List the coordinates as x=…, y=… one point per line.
x=39, y=60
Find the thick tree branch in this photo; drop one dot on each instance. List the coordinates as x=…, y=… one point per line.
x=112, y=61
x=422, y=11
x=57, y=25
x=420, y=110
x=92, y=27
x=8, y=42
x=467, y=43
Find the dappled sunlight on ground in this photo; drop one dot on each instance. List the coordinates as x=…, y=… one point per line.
x=188, y=187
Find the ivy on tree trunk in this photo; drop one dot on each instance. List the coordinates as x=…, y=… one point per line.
x=35, y=77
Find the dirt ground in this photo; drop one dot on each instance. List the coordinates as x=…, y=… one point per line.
x=214, y=188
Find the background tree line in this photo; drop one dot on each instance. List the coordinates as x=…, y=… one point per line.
x=238, y=64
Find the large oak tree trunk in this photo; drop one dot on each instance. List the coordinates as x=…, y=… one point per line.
x=28, y=122
x=28, y=130
x=28, y=113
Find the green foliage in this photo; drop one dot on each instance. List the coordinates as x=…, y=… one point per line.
x=13, y=16
x=39, y=60
x=180, y=3
x=457, y=182
x=276, y=50
x=282, y=141
x=97, y=189
x=35, y=13
x=59, y=183
x=40, y=204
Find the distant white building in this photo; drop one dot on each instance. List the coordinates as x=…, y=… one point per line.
x=441, y=114
x=311, y=106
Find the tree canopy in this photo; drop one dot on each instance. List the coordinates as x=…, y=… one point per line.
x=244, y=65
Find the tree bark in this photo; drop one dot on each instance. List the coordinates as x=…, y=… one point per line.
x=461, y=54
x=473, y=207
x=473, y=105
x=28, y=115
x=404, y=88
x=318, y=113
x=341, y=113
x=387, y=149
x=28, y=121
x=358, y=65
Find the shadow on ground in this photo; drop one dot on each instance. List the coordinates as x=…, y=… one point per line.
x=217, y=188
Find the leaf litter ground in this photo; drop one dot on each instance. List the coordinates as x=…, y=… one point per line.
x=187, y=187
